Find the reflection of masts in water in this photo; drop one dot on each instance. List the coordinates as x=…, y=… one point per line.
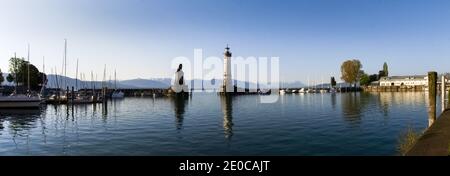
x=20, y=127
x=1, y=126
x=104, y=111
x=43, y=126
x=227, y=110
x=64, y=131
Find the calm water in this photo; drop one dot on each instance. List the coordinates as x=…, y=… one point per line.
x=207, y=124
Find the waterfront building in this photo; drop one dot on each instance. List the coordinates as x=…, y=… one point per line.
x=416, y=80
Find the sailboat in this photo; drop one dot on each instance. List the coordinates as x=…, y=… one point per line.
x=302, y=90
x=28, y=100
x=20, y=101
x=116, y=93
x=80, y=97
x=322, y=88
x=60, y=95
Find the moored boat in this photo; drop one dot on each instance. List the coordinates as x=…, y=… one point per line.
x=117, y=94
x=20, y=101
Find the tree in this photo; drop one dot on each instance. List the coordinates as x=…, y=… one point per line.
x=385, y=69
x=1, y=77
x=14, y=67
x=19, y=74
x=381, y=74
x=374, y=77
x=333, y=82
x=365, y=79
x=351, y=71
x=10, y=78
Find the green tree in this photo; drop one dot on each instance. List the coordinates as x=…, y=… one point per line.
x=10, y=78
x=364, y=80
x=381, y=73
x=374, y=77
x=1, y=77
x=351, y=71
x=385, y=69
x=15, y=64
x=19, y=73
x=333, y=82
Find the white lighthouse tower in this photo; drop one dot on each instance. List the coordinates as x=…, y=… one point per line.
x=227, y=85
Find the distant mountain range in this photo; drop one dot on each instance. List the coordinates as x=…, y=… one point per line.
x=140, y=83
x=124, y=84
x=296, y=84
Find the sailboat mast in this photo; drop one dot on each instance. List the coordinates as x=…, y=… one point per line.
x=43, y=65
x=308, y=83
x=92, y=81
x=62, y=72
x=115, y=80
x=76, y=77
x=95, y=80
x=83, y=81
x=57, y=80
x=15, y=72
x=104, y=77
x=65, y=62
x=28, y=69
x=322, y=83
x=43, y=72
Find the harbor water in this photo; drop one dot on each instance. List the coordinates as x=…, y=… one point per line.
x=208, y=124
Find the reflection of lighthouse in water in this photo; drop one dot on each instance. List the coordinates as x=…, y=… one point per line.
x=227, y=110
x=227, y=85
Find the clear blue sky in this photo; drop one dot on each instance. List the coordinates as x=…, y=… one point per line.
x=139, y=38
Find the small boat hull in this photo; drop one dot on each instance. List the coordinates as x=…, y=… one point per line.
x=117, y=94
x=19, y=104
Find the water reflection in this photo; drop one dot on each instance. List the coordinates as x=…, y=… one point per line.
x=104, y=111
x=384, y=98
x=227, y=110
x=179, y=103
x=21, y=112
x=1, y=125
x=351, y=107
x=333, y=100
x=142, y=121
x=19, y=122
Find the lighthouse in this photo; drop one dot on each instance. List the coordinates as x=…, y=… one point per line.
x=227, y=85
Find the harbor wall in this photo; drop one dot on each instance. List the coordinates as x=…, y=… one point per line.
x=393, y=88
x=436, y=139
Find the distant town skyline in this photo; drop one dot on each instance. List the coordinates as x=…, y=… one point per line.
x=139, y=38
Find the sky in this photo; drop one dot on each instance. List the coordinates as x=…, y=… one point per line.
x=139, y=38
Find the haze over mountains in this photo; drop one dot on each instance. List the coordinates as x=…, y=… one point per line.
x=140, y=83
x=123, y=84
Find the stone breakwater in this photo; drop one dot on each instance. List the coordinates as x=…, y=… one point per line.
x=393, y=88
